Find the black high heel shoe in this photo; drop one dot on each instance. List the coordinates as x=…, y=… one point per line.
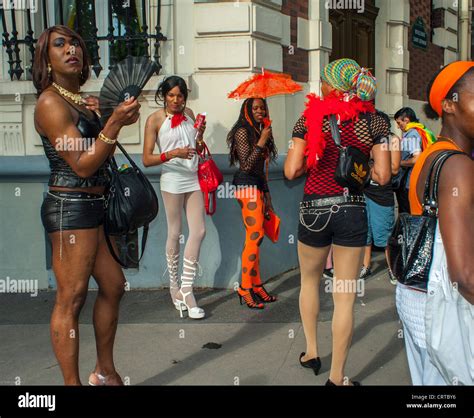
x=262, y=294
x=249, y=298
x=314, y=363
x=331, y=383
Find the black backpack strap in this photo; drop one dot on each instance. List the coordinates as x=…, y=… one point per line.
x=335, y=132
x=144, y=239
x=112, y=251
x=111, y=248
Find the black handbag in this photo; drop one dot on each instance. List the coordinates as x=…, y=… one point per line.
x=410, y=247
x=131, y=204
x=352, y=169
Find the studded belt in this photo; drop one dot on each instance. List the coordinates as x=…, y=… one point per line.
x=326, y=206
x=331, y=201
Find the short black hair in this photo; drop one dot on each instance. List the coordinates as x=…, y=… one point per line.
x=169, y=83
x=406, y=112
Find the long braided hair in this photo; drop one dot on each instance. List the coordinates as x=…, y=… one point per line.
x=254, y=130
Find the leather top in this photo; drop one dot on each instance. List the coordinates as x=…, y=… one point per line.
x=62, y=174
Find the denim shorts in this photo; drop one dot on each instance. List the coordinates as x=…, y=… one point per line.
x=381, y=220
x=344, y=224
x=62, y=211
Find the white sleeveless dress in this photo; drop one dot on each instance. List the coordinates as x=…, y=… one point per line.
x=178, y=175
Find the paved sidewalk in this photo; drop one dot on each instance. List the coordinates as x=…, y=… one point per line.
x=233, y=345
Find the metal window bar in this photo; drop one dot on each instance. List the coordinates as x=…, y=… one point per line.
x=11, y=41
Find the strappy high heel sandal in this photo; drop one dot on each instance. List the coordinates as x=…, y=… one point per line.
x=262, y=293
x=172, y=261
x=249, y=298
x=187, y=280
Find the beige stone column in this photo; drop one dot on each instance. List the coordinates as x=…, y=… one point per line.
x=392, y=57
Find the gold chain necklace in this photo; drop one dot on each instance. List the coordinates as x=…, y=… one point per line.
x=75, y=97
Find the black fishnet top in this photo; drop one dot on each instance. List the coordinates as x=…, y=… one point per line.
x=370, y=129
x=251, y=159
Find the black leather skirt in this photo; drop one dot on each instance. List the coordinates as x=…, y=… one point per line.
x=62, y=211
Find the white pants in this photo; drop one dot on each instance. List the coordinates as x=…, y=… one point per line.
x=422, y=370
x=411, y=310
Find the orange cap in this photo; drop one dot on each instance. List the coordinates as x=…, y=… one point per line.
x=445, y=81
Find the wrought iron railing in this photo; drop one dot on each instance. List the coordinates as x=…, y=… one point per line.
x=135, y=40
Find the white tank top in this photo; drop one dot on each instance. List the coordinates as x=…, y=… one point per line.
x=178, y=175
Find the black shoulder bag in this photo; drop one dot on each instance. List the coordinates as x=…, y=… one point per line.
x=410, y=247
x=131, y=203
x=352, y=169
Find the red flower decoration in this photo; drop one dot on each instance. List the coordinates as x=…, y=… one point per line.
x=177, y=119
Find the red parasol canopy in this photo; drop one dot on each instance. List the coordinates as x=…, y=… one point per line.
x=265, y=85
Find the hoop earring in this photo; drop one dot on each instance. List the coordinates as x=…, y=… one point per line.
x=49, y=69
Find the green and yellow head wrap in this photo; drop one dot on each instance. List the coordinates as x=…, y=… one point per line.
x=347, y=76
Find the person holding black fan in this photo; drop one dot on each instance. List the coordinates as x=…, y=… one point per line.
x=77, y=147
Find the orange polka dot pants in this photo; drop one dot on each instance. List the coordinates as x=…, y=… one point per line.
x=252, y=205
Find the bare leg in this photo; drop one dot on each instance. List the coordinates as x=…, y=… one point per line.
x=109, y=276
x=329, y=264
x=72, y=273
x=312, y=261
x=347, y=265
x=367, y=256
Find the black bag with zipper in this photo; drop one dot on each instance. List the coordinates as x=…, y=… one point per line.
x=410, y=247
x=352, y=169
x=131, y=203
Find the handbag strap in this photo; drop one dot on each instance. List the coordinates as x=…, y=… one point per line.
x=335, y=132
x=113, y=161
x=210, y=210
x=112, y=251
x=205, y=152
x=430, y=194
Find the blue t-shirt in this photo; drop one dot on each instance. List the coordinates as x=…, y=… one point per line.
x=411, y=144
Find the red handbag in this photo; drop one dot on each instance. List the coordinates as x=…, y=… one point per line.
x=209, y=177
x=271, y=226
x=271, y=222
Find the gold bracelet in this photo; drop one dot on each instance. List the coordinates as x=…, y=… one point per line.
x=103, y=138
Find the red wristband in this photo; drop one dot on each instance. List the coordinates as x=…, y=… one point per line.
x=163, y=157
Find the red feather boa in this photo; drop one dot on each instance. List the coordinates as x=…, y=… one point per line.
x=316, y=109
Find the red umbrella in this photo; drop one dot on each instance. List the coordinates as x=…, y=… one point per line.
x=265, y=85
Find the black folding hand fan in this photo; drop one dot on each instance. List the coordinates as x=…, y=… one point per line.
x=126, y=79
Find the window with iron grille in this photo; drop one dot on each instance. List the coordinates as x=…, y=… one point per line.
x=111, y=29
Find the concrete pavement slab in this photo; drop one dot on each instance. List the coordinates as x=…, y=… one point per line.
x=232, y=345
